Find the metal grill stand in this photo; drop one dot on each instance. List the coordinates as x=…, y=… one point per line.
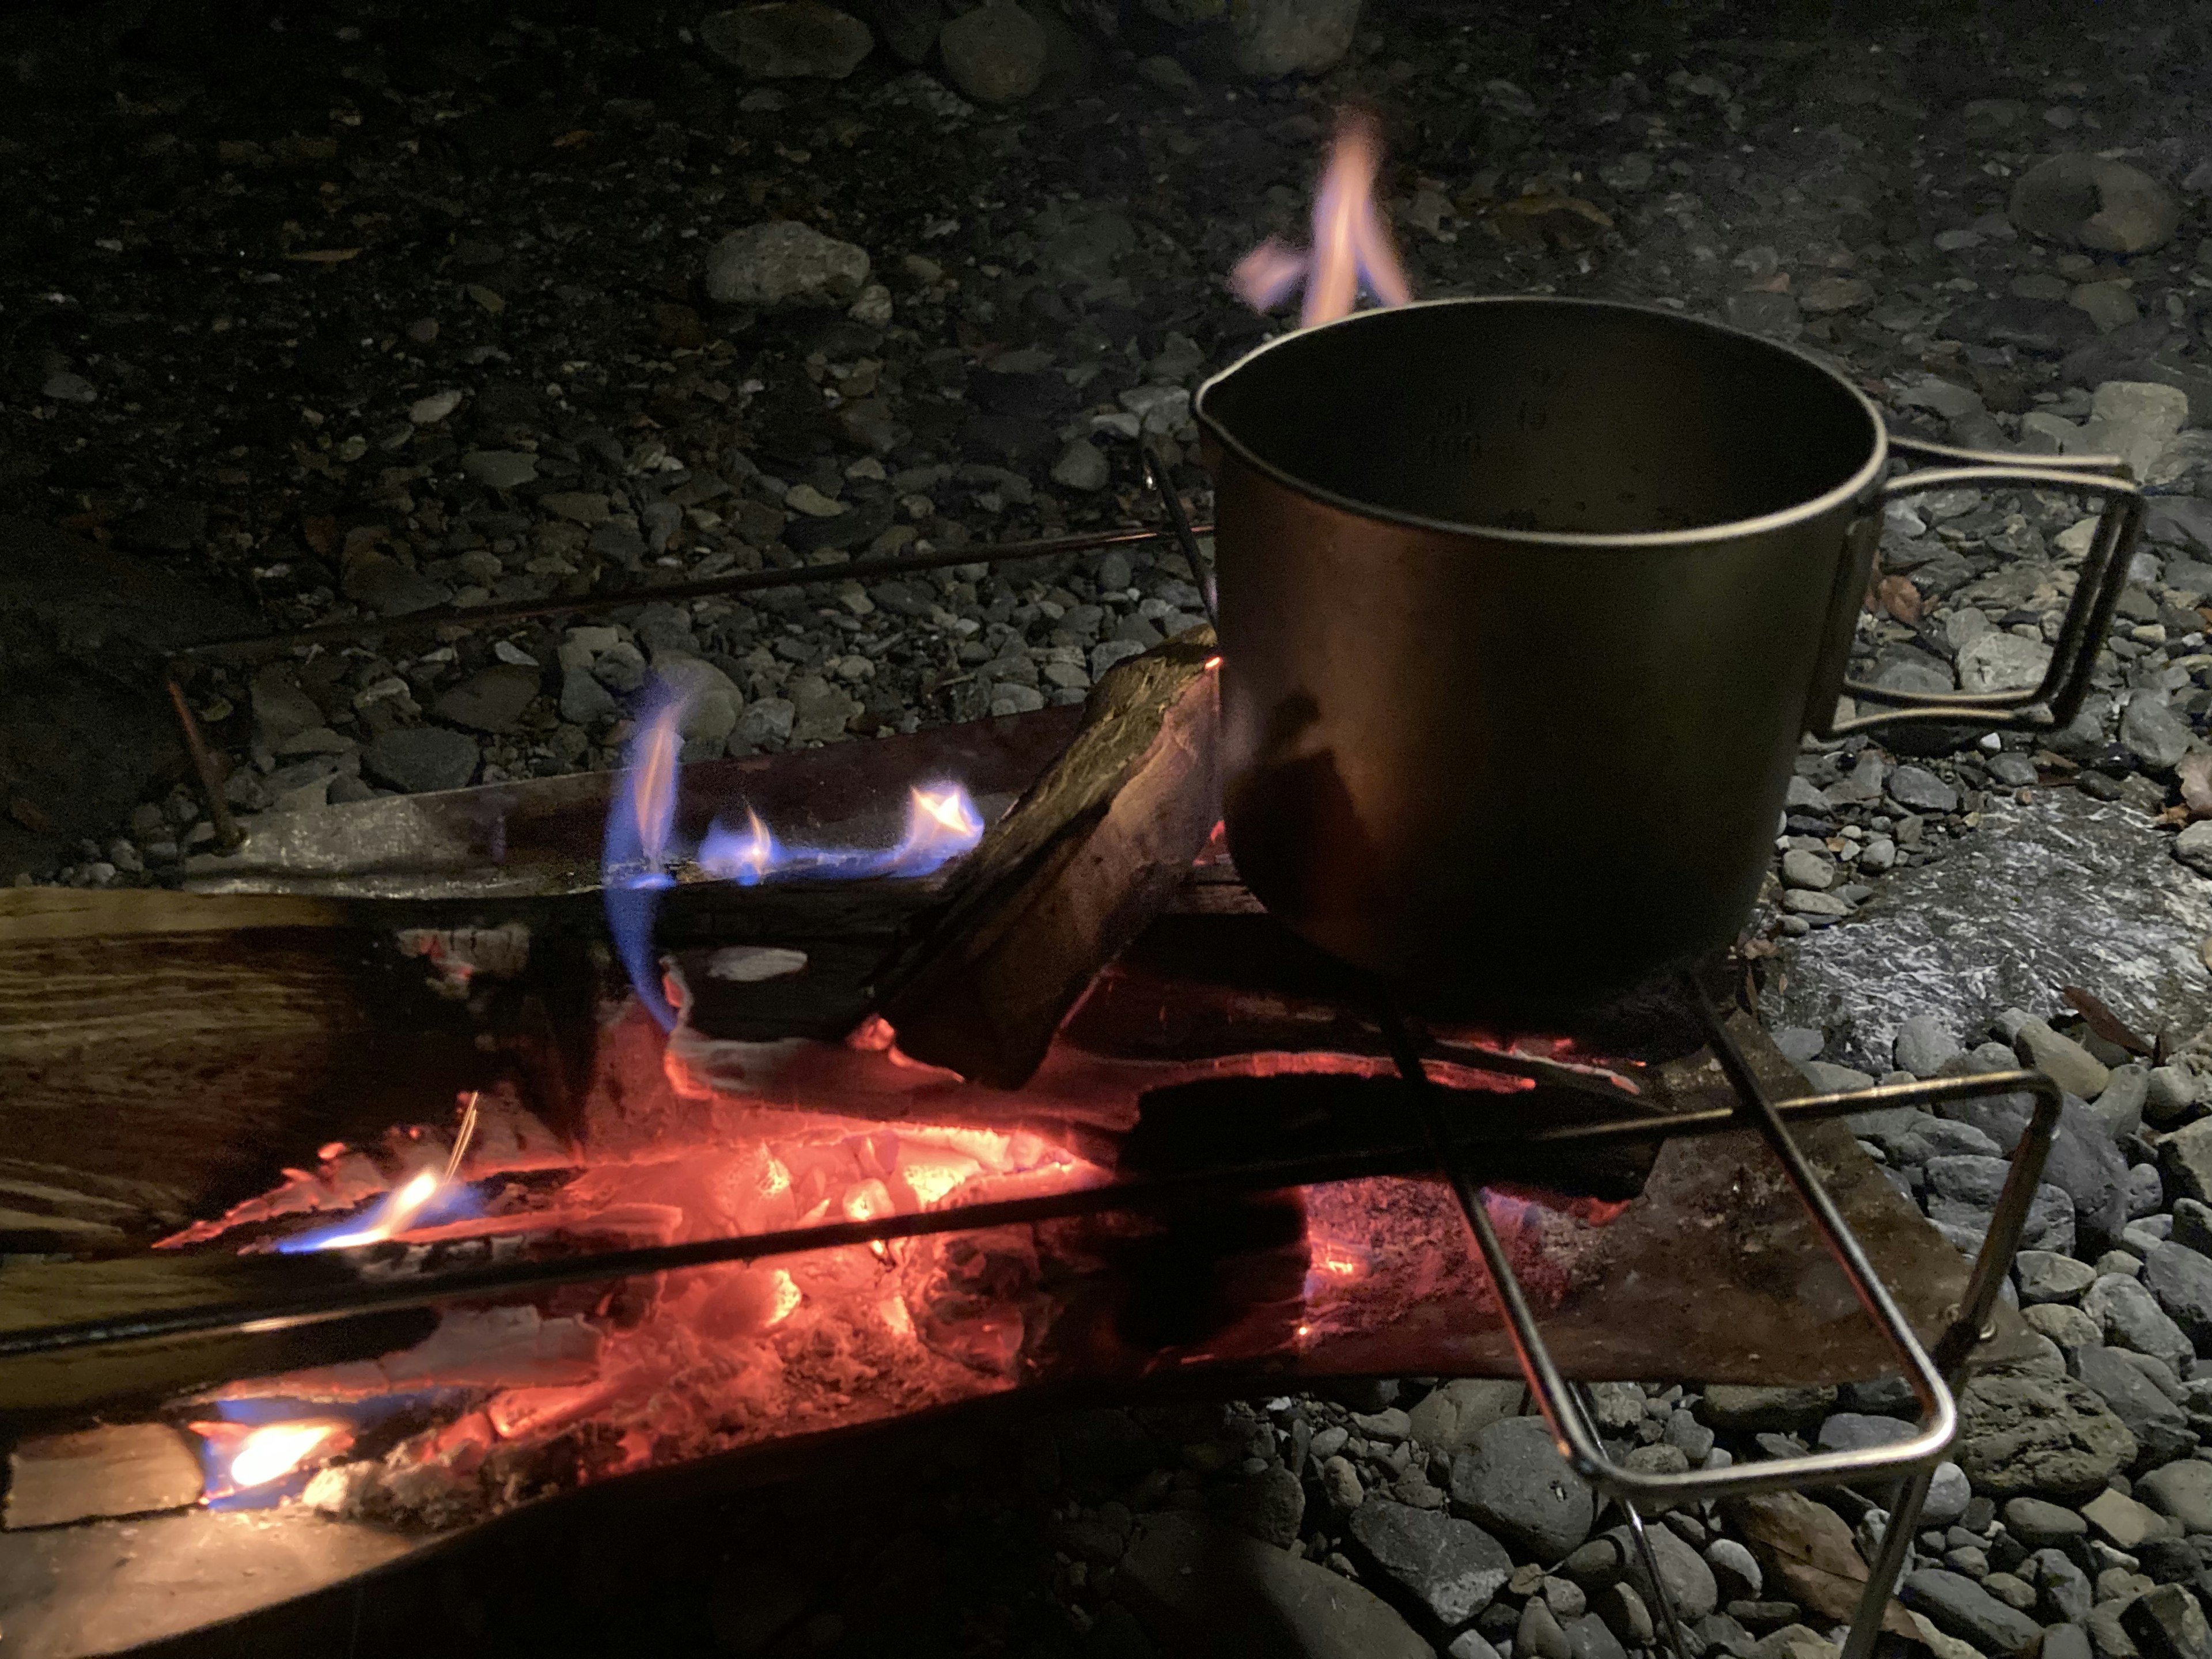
x=1932, y=1378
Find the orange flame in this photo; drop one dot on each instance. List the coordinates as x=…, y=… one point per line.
x=653, y=783
x=1351, y=244
x=267, y=1453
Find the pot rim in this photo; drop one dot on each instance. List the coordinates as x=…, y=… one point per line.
x=1859, y=484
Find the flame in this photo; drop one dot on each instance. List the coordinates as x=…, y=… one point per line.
x=639, y=823
x=1352, y=247
x=242, y=1458
x=401, y=1207
x=942, y=822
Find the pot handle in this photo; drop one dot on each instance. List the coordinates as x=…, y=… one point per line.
x=2048, y=706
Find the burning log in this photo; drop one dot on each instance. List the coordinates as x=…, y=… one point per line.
x=37, y=1294
x=1073, y=872
x=131, y=1468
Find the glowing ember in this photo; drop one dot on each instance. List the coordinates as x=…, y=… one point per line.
x=1351, y=249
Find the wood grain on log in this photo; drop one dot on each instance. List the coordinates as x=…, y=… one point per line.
x=129, y=1469
x=35, y=1294
x=1074, y=872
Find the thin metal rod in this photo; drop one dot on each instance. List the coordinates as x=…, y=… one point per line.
x=227, y=832
x=744, y=581
x=1201, y=568
x=327, y=1303
x=2000, y=1244
x=1667, y=1614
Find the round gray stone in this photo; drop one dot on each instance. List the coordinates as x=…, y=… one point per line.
x=994, y=54
x=780, y=262
x=2083, y=201
x=1514, y=1481
x=787, y=39
x=1919, y=790
x=2021, y=1435
x=420, y=759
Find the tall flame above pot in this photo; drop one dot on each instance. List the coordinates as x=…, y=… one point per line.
x=1525, y=605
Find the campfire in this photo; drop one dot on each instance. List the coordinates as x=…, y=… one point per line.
x=992, y=1081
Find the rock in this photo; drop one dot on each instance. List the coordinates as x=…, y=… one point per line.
x=2066, y=1063
x=787, y=39
x=1514, y=1482
x=2170, y=1091
x=2083, y=201
x=1826, y=294
x=2109, y=304
x=2066, y=1326
x=429, y=411
x=1855, y=1430
x=2067, y=1641
x=1795, y=1642
x=1588, y=1637
x=2134, y=419
x=1917, y=789
x=1340, y=1484
x=166, y=525
x=2160, y=1427
x=780, y=262
x=2180, y=1280
x=1449, y=1419
x=390, y=588
x=2186, y=1157
x=2039, y=1524
x=2047, y=1276
x=421, y=759
x=820, y=711
x=1082, y=465
x=2193, y=846
x=1683, y=1572
x=2154, y=733
x=1624, y=1613
x=768, y=720
x=1959, y=1607
x=1923, y=1046
x=1538, y=1636
x=500, y=469
x=1950, y=1492
x=65, y=387
x=2094, y=901
x=711, y=702
x=994, y=54
x=2192, y=1225
x=584, y=701
x=2022, y=1434
x=490, y=700
x=2181, y=1491
x=1775, y=315
x=2118, y=1107
x=1450, y=1567
x=1749, y=1407
x=1270, y=39
x=1815, y=871
x=2122, y=1522
x=2132, y=1319
x=1735, y=1570
x=1268, y=1506
x=1998, y=661
x=2166, y=1623
x=1202, y=1589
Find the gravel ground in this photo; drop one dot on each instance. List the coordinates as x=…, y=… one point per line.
x=364, y=309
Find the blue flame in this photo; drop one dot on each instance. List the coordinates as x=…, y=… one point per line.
x=942, y=823
x=639, y=821
x=398, y=1212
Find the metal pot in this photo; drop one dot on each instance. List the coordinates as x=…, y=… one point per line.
x=1525, y=605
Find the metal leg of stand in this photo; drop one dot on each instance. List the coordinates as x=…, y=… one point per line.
x=1915, y=1459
